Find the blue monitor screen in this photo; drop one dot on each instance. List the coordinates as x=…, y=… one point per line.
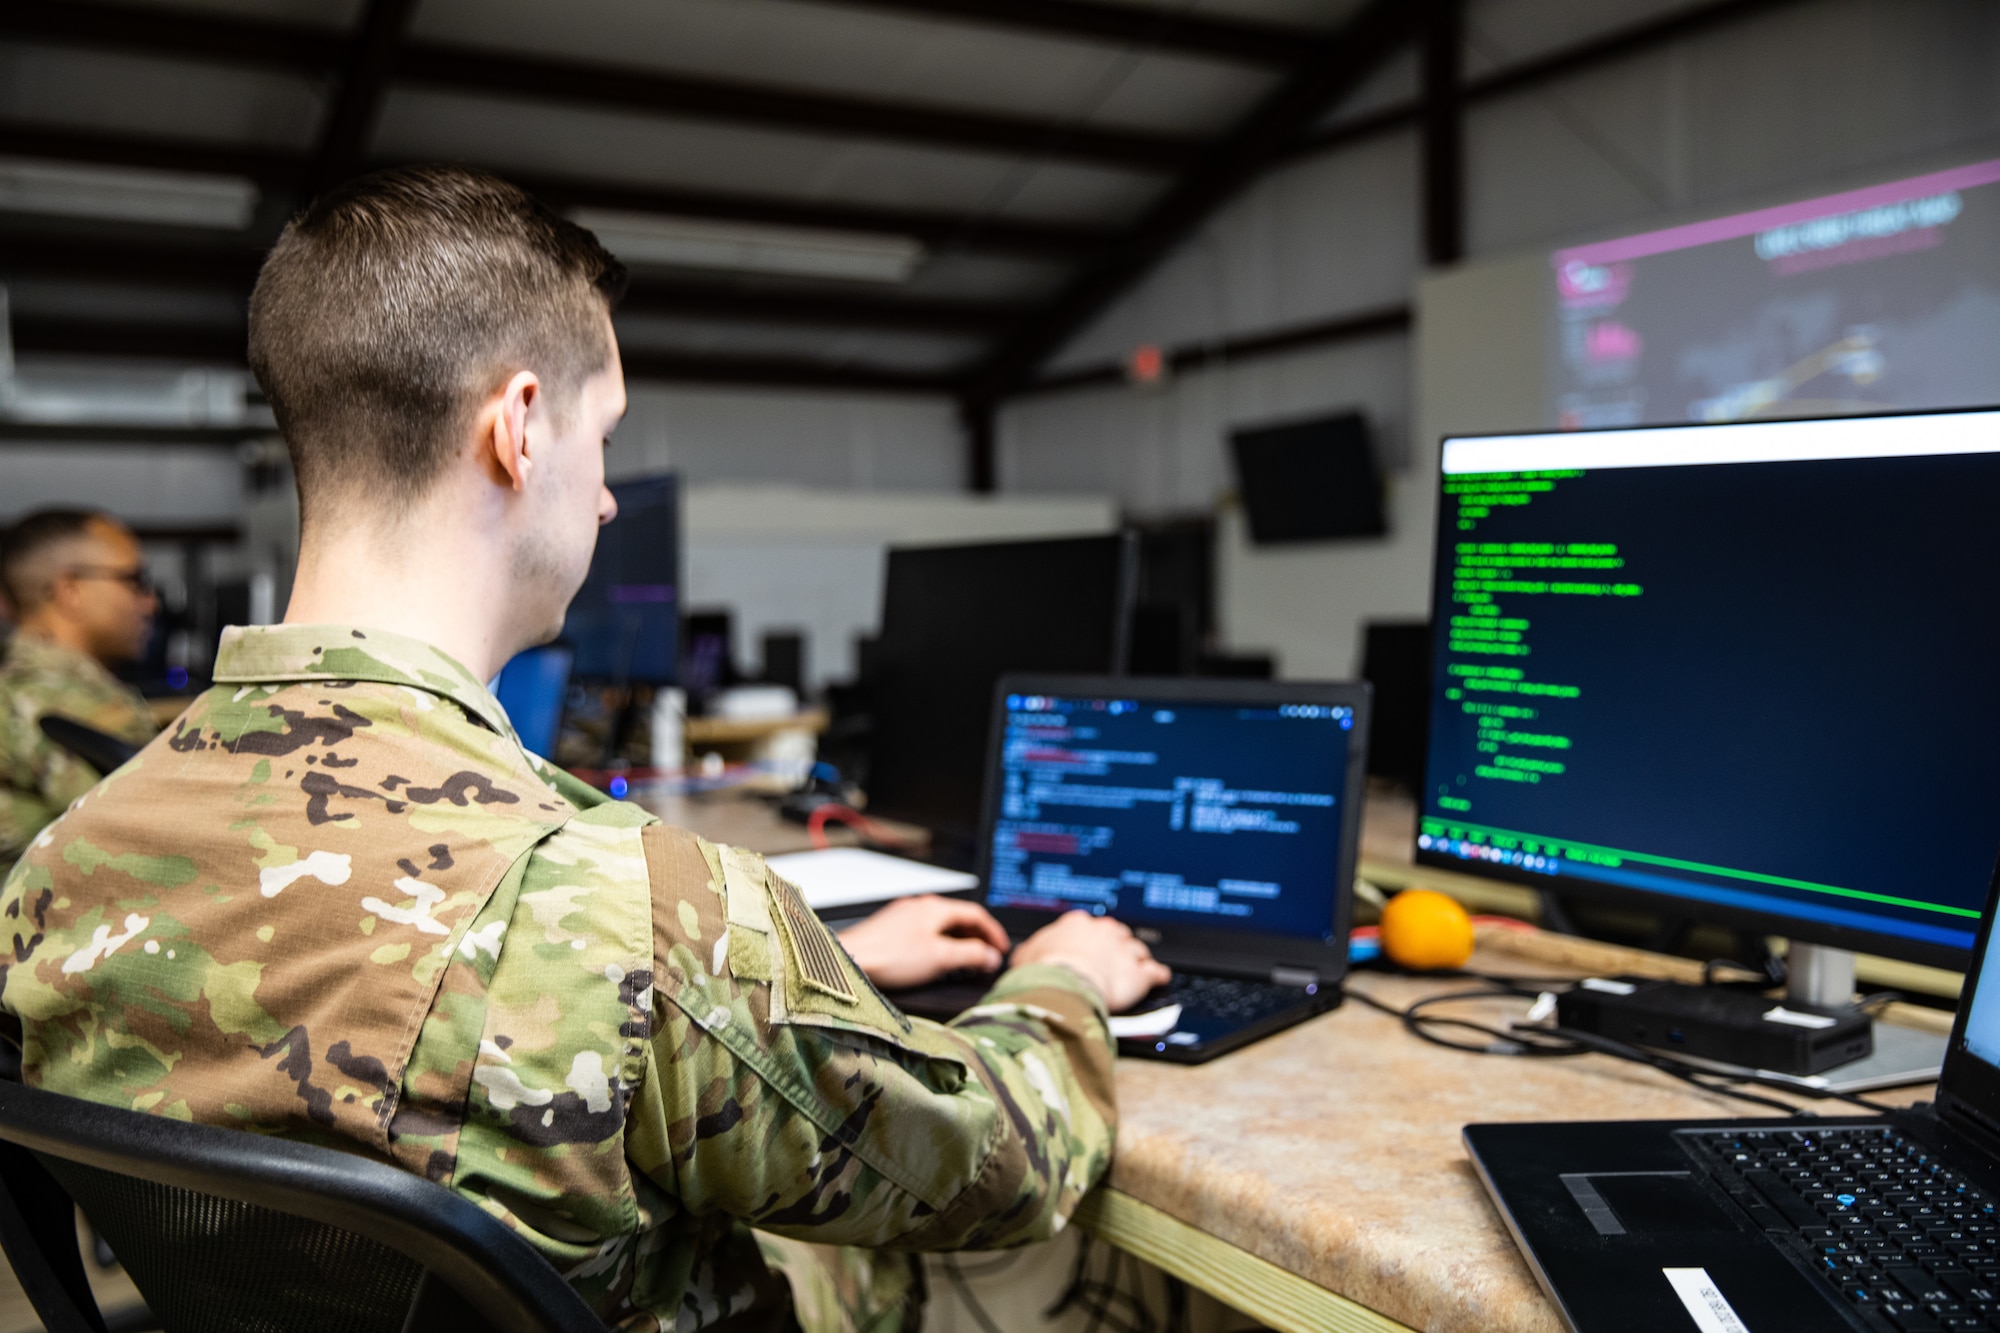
x=1748, y=669
x=625, y=621
x=1172, y=813
x=532, y=688
x=1982, y=1024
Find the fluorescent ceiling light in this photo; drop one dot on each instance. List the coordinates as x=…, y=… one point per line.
x=645, y=238
x=77, y=393
x=126, y=194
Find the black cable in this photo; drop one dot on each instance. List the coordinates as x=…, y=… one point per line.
x=1520, y=1040
x=1100, y=1297
x=1179, y=1318
x=1690, y=1074
x=1415, y=1021
x=964, y=1290
x=1067, y=1296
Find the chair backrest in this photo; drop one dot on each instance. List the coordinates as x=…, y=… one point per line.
x=224, y=1231
x=100, y=751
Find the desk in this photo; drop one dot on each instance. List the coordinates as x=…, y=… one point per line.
x=1327, y=1159
x=1315, y=1180
x=743, y=819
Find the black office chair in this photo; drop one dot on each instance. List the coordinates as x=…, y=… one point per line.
x=100, y=751
x=229, y=1232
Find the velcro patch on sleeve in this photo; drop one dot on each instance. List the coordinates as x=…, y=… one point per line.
x=817, y=960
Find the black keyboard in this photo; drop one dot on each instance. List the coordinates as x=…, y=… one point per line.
x=1911, y=1244
x=1233, y=998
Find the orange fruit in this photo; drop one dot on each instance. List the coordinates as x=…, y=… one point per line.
x=1425, y=931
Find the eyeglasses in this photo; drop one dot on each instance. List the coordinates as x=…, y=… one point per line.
x=138, y=580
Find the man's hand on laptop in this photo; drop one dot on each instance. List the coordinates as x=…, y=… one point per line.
x=1104, y=952
x=914, y=941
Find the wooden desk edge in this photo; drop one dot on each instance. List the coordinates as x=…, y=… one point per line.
x=1484, y=895
x=1259, y=1288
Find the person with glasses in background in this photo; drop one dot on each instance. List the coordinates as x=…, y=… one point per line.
x=77, y=587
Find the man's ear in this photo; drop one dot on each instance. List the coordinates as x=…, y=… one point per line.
x=65, y=591
x=503, y=431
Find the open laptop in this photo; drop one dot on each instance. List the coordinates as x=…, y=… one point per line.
x=1219, y=819
x=1761, y=1225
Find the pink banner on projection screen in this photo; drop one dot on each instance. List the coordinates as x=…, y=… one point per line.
x=1784, y=215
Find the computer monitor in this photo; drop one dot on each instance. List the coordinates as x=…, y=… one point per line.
x=532, y=688
x=1396, y=660
x=625, y=620
x=954, y=620
x=1309, y=481
x=1221, y=818
x=1745, y=673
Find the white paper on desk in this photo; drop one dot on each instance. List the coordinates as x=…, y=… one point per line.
x=842, y=876
x=1156, y=1024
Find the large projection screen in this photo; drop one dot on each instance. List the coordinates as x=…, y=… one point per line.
x=1879, y=298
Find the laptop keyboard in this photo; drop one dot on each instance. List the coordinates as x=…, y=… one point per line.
x=1909, y=1243
x=1238, y=1000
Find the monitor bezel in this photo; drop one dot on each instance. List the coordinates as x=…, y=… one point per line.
x=1827, y=934
x=956, y=834
x=1969, y=1087
x=1246, y=953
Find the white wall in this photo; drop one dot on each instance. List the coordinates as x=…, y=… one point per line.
x=1807, y=98
x=838, y=441
x=793, y=558
x=794, y=497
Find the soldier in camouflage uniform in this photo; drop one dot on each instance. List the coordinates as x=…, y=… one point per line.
x=78, y=585
x=339, y=902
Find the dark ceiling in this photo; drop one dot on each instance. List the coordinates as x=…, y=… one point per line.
x=1043, y=153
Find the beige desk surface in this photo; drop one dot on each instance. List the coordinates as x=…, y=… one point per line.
x=743, y=820
x=1316, y=1179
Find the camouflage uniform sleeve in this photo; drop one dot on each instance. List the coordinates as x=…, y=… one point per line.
x=782, y=1090
x=38, y=778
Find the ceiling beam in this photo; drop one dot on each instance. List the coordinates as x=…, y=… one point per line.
x=160, y=31
x=1151, y=27
x=1444, y=131
x=32, y=432
x=210, y=267
x=1384, y=322
x=268, y=167
x=1620, y=44
x=224, y=345
x=938, y=229
x=1375, y=33
x=1623, y=44
x=780, y=372
x=175, y=342
x=489, y=73
x=234, y=270
x=941, y=231
x=653, y=295
x=364, y=83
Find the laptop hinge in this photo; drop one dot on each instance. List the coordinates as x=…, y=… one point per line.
x=1294, y=976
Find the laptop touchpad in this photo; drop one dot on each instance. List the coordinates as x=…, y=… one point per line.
x=1647, y=1203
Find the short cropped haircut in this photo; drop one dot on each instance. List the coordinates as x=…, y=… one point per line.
x=392, y=306
x=29, y=548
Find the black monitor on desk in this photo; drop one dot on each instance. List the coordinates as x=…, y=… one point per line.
x=954, y=620
x=624, y=623
x=1743, y=672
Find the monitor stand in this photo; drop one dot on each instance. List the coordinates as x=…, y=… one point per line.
x=1823, y=978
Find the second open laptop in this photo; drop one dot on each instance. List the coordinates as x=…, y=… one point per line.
x=1878, y=1224
x=1219, y=819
